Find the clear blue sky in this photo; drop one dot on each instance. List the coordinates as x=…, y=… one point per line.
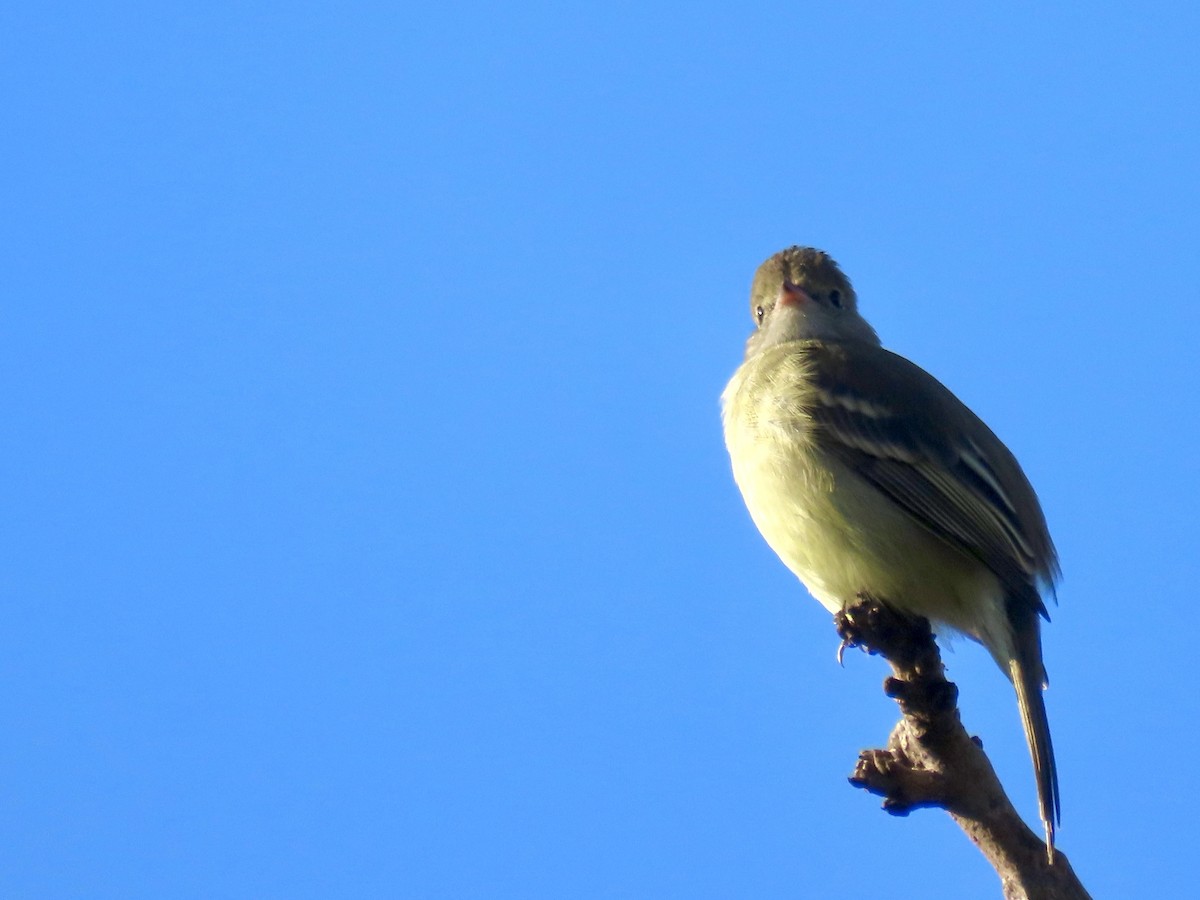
x=367, y=526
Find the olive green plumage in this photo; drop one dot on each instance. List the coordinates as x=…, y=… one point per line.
x=865, y=474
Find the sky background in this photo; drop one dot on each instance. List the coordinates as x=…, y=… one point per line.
x=368, y=530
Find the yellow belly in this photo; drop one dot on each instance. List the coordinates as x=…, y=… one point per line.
x=835, y=531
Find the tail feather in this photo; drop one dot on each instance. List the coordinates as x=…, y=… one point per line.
x=1029, y=677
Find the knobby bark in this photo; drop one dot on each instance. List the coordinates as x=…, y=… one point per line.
x=931, y=761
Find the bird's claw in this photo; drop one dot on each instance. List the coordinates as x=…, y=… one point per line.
x=841, y=651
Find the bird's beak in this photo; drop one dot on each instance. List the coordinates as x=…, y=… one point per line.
x=792, y=295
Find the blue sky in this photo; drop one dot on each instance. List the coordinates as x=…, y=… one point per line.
x=368, y=528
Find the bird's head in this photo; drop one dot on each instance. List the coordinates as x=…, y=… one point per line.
x=801, y=294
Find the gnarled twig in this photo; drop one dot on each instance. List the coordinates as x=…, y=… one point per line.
x=930, y=760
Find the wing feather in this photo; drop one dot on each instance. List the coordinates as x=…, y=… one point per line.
x=906, y=434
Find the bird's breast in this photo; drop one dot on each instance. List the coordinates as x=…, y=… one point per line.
x=826, y=523
x=784, y=479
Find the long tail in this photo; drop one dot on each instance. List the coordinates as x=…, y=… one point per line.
x=1029, y=677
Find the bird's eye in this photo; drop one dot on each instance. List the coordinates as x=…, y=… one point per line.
x=759, y=312
x=835, y=297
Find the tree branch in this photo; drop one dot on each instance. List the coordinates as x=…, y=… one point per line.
x=930, y=760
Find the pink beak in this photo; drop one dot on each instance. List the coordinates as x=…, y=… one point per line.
x=791, y=295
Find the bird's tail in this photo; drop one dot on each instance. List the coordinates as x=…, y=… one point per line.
x=1029, y=677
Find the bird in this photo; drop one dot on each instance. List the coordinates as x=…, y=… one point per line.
x=866, y=475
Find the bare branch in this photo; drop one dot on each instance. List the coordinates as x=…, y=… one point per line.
x=930, y=760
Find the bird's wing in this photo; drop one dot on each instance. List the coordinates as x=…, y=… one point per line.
x=894, y=425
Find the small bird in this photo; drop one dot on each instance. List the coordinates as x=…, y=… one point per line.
x=866, y=475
